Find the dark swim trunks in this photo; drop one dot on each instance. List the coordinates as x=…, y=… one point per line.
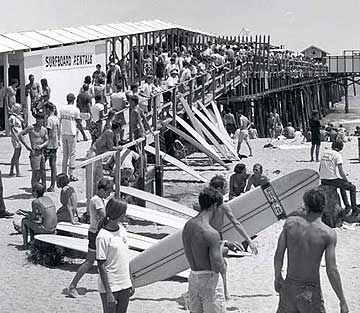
x=297, y=297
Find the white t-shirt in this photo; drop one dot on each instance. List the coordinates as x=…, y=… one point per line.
x=68, y=116
x=328, y=164
x=53, y=125
x=118, y=100
x=130, y=156
x=112, y=247
x=95, y=111
x=95, y=206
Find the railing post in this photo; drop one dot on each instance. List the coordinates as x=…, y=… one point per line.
x=203, y=88
x=173, y=99
x=213, y=74
x=191, y=91
x=155, y=112
x=117, y=173
x=159, y=190
x=89, y=175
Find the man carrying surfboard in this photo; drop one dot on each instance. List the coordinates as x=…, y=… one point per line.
x=306, y=238
x=203, y=250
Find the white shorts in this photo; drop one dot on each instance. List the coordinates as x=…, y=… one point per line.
x=206, y=292
x=244, y=135
x=85, y=116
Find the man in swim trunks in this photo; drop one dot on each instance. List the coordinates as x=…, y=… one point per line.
x=203, y=250
x=244, y=125
x=38, y=136
x=42, y=219
x=306, y=238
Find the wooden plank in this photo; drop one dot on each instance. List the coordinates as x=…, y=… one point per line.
x=191, y=116
x=193, y=132
x=196, y=144
x=177, y=163
x=217, y=132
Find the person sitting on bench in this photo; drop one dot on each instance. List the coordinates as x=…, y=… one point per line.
x=42, y=219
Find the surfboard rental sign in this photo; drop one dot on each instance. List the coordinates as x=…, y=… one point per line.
x=55, y=62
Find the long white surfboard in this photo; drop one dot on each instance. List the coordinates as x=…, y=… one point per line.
x=163, y=202
x=155, y=216
x=256, y=210
x=220, y=121
x=77, y=244
x=135, y=241
x=81, y=245
x=177, y=163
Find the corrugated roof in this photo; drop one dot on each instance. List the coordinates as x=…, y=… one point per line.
x=72, y=35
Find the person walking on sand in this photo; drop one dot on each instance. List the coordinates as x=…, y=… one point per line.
x=219, y=183
x=203, y=250
x=306, y=238
x=96, y=210
x=315, y=128
x=244, y=125
x=112, y=255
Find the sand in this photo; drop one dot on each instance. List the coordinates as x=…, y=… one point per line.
x=25, y=287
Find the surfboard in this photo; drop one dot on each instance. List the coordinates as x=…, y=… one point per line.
x=154, y=216
x=135, y=241
x=77, y=244
x=193, y=132
x=218, y=133
x=177, y=163
x=220, y=121
x=163, y=202
x=209, y=115
x=256, y=210
x=196, y=144
x=81, y=245
x=191, y=116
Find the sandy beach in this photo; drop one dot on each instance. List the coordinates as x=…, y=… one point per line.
x=31, y=288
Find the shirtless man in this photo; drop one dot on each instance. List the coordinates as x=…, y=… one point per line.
x=244, y=125
x=38, y=136
x=306, y=238
x=33, y=89
x=42, y=219
x=203, y=250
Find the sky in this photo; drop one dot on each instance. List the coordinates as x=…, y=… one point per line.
x=331, y=25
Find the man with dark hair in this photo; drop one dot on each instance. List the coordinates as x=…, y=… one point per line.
x=39, y=139
x=98, y=74
x=203, y=250
x=42, y=219
x=83, y=102
x=306, y=238
x=32, y=89
x=332, y=174
x=53, y=128
x=315, y=127
x=69, y=118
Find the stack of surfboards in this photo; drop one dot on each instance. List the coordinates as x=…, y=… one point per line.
x=161, y=259
x=206, y=126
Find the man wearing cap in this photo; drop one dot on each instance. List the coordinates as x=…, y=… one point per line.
x=171, y=82
x=69, y=118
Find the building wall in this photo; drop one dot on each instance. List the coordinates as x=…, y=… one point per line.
x=64, y=67
x=313, y=53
